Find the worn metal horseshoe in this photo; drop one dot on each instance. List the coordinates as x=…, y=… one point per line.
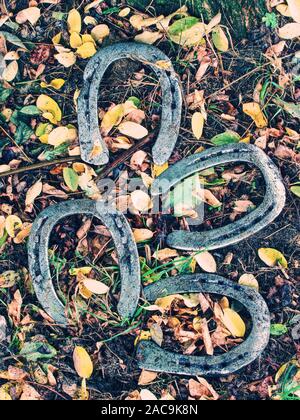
x=89, y=133
x=249, y=225
x=125, y=247
x=152, y=357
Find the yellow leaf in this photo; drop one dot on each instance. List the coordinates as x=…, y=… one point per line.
x=82, y=363
x=96, y=287
x=58, y=136
x=33, y=192
x=249, y=280
x=100, y=32
x=294, y=7
x=272, y=258
x=92, y=5
x=190, y=37
x=254, y=111
x=12, y=224
x=157, y=170
x=86, y=50
x=148, y=37
x=165, y=254
x=74, y=21
x=75, y=40
x=234, y=323
x=87, y=38
x=142, y=235
x=198, y=121
x=50, y=108
x=23, y=234
x=31, y=14
x=136, y=21
x=206, y=261
x=11, y=71
x=9, y=279
x=55, y=84
x=112, y=118
x=67, y=59
x=290, y=31
x=4, y=395
x=89, y=20
x=125, y=12
x=220, y=39
x=57, y=38
x=133, y=130
x=82, y=270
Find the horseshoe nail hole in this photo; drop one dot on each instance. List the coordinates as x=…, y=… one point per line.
x=192, y=328
x=81, y=248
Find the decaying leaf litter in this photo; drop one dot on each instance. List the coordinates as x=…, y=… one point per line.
x=41, y=83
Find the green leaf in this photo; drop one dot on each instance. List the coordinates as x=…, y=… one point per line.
x=33, y=352
x=184, y=198
x=182, y=25
x=296, y=190
x=71, y=179
x=5, y=94
x=228, y=137
x=136, y=101
x=13, y=39
x=277, y=330
x=23, y=133
x=271, y=21
x=30, y=110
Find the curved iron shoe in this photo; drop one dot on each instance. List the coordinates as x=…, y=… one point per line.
x=255, y=221
x=125, y=247
x=153, y=358
x=89, y=133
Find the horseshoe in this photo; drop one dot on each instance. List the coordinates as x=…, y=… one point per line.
x=89, y=133
x=125, y=245
x=152, y=357
x=249, y=225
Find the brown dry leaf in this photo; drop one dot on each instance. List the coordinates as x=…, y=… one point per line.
x=32, y=15
x=201, y=389
x=206, y=338
x=147, y=395
x=165, y=254
x=148, y=37
x=254, y=111
x=50, y=190
x=14, y=308
x=138, y=159
x=96, y=287
x=249, y=280
x=30, y=394
x=216, y=20
x=284, y=10
x=157, y=334
x=14, y=374
x=133, y=130
x=166, y=302
x=198, y=121
x=11, y=71
x=141, y=201
x=147, y=377
x=100, y=32
x=206, y=261
x=33, y=192
x=205, y=64
x=290, y=31
x=67, y=59
x=142, y=235
x=294, y=9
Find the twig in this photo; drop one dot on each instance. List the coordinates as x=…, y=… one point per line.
x=126, y=155
x=39, y=165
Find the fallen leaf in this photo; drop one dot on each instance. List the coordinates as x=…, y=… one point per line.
x=55, y=84
x=9, y=279
x=294, y=8
x=198, y=121
x=148, y=37
x=100, y=32
x=96, y=287
x=31, y=14
x=249, y=280
x=147, y=395
x=75, y=40
x=220, y=39
x=30, y=394
x=272, y=258
x=67, y=59
x=133, y=130
x=12, y=224
x=296, y=190
x=254, y=111
x=74, y=21
x=50, y=108
x=82, y=363
x=206, y=338
x=11, y=71
x=284, y=10
x=87, y=50
x=14, y=308
x=33, y=192
x=157, y=334
x=92, y=5
x=229, y=137
x=4, y=395
x=164, y=254
x=206, y=261
x=142, y=235
x=289, y=31
x=234, y=323
x=71, y=179
x=147, y=377
x=112, y=118
x=141, y=201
